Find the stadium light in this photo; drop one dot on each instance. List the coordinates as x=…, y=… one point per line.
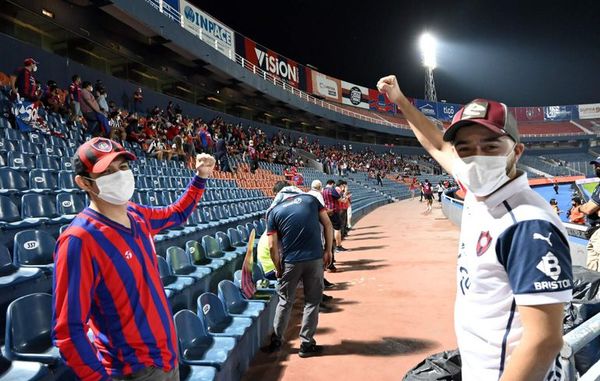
x=427, y=44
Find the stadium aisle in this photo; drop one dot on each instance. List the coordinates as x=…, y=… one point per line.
x=393, y=303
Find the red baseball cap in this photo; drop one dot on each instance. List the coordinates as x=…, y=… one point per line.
x=95, y=155
x=491, y=114
x=29, y=61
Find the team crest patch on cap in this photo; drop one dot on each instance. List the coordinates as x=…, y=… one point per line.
x=475, y=110
x=103, y=145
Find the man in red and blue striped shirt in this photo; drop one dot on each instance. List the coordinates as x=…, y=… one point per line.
x=106, y=273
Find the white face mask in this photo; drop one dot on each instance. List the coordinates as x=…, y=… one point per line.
x=481, y=175
x=34, y=69
x=116, y=188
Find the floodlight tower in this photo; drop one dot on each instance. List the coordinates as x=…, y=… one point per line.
x=427, y=44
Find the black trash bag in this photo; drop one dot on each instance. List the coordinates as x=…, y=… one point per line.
x=444, y=366
x=585, y=304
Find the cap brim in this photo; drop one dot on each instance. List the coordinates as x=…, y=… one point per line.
x=103, y=163
x=595, y=162
x=450, y=132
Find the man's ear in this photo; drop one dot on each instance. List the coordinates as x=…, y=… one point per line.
x=83, y=183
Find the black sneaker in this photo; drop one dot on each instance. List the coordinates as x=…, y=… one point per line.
x=274, y=345
x=331, y=268
x=327, y=298
x=328, y=284
x=341, y=248
x=310, y=350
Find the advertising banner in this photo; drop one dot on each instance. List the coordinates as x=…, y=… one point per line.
x=207, y=28
x=525, y=114
x=380, y=102
x=355, y=95
x=558, y=113
x=272, y=62
x=325, y=86
x=589, y=111
x=446, y=111
x=426, y=107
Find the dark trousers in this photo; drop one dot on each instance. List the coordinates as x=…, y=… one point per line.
x=253, y=165
x=344, y=222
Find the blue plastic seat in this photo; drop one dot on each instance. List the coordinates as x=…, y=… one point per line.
x=36, y=138
x=180, y=295
x=16, y=282
x=66, y=164
x=235, y=238
x=7, y=145
x=23, y=371
x=20, y=160
x=10, y=221
x=28, y=147
x=181, y=265
x=198, y=256
x=12, y=182
x=43, y=181
x=28, y=327
x=34, y=248
x=236, y=305
x=225, y=245
x=41, y=207
x=198, y=347
x=13, y=134
x=219, y=323
x=66, y=181
x=47, y=162
x=69, y=204
x=213, y=250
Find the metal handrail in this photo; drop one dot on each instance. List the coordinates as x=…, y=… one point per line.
x=175, y=15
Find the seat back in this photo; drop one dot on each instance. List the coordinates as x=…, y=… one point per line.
x=16, y=159
x=196, y=253
x=66, y=164
x=37, y=205
x=11, y=179
x=69, y=203
x=234, y=237
x=39, y=179
x=47, y=162
x=33, y=248
x=224, y=242
x=211, y=247
x=66, y=180
x=243, y=233
x=192, y=336
x=6, y=265
x=28, y=327
x=215, y=316
x=9, y=212
x=166, y=275
x=237, y=278
x=179, y=261
x=231, y=297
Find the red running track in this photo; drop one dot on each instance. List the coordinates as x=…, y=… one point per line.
x=393, y=302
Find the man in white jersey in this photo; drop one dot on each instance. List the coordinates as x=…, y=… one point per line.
x=514, y=265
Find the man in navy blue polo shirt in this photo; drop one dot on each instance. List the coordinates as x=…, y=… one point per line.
x=297, y=252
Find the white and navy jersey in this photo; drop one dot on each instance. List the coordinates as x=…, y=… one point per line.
x=513, y=251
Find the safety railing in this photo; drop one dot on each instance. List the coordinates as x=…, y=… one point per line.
x=175, y=15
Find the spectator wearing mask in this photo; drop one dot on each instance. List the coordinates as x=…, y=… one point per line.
x=101, y=96
x=379, y=178
x=331, y=197
x=344, y=204
x=106, y=276
x=440, y=189
x=25, y=83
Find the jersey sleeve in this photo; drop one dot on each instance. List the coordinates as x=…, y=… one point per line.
x=537, y=259
x=162, y=218
x=73, y=289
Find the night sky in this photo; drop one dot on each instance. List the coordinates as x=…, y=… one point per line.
x=523, y=53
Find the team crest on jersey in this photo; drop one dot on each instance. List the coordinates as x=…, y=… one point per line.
x=483, y=243
x=103, y=145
